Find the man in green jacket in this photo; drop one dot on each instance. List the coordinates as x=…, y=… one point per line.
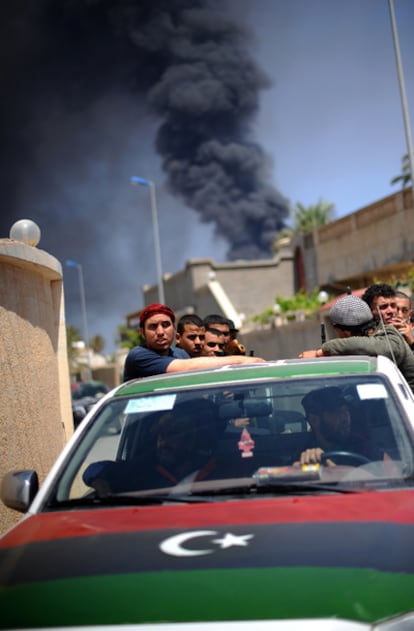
x=359, y=334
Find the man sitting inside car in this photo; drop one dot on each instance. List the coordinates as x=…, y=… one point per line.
x=328, y=414
x=178, y=450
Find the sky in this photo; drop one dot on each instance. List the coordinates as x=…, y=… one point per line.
x=236, y=111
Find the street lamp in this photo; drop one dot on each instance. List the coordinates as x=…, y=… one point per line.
x=403, y=94
x=78, y=266
x=139, y=181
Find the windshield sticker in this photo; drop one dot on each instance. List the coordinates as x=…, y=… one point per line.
x=151, y=404
x=371, y=391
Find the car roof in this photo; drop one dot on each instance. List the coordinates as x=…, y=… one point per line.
x=279, y=369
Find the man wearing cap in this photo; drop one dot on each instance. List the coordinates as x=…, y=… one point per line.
x=359, y=334
x=157, y=355
x=327, y=412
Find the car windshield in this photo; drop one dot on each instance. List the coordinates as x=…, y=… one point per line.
x=208, y=439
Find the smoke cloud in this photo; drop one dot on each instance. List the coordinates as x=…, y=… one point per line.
x=98, y=90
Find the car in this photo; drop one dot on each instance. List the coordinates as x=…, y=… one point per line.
x=84, y=396
x=199, y=513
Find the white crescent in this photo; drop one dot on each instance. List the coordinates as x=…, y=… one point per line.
x=173, y=545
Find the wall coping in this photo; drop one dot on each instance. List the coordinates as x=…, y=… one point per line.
x=28, y=256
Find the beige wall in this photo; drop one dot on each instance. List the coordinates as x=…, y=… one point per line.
x=35, y=405
x=375, y=240
x=283, y=342
x=251, y=286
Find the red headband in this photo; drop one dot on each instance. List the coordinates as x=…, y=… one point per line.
x=151, y=310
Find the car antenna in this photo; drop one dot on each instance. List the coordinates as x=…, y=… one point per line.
x=386, y=334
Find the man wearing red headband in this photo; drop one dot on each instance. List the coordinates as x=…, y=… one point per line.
x=157, y=355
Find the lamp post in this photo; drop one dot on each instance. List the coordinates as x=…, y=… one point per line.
x=139, y=181
x=403, y=95
x=78, y=266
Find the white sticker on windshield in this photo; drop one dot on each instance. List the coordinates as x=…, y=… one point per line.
x=151, y=404
x=371, y=391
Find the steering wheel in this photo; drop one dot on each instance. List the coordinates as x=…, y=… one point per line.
x=350, y=455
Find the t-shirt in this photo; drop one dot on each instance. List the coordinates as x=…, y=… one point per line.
x=143, y=362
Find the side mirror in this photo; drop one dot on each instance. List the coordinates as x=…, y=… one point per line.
x=18, y=489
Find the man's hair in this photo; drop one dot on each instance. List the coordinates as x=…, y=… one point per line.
x=213, y=330
x=402, y=294
x=215, y=318
x=188, y=318
x=377, y=290
x=322, y=400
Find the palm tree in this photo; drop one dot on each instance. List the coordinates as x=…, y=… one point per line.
x=308, y=218
x=405, y=176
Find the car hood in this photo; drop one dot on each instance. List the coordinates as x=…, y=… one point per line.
x=343, y=556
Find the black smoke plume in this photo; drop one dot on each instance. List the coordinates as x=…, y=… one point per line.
x=87, y=84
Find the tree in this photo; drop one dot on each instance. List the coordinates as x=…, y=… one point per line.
x=128, y=338
x=306, y=219
x=72, y=335
x=97, y=343
x=405, y=176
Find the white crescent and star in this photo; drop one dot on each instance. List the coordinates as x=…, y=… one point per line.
x=174, y=545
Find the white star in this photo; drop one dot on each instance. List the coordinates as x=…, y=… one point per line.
x=232, y=540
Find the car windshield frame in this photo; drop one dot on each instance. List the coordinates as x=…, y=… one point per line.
x=107, y=438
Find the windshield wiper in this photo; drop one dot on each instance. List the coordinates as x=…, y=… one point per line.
x=126, y=499
x=278, y=488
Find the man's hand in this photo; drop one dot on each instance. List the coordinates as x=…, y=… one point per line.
x=312, y=456
x=404, y=328
x=316, y=353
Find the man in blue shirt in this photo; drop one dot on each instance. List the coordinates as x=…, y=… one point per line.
x=157, y=355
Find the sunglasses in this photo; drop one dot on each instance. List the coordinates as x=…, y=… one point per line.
x=214, y=344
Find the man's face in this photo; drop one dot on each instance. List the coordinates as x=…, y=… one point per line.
x=387, y=307
x=191, y=339
x=403, y=310
x=335, y=425
x=225, y=330
x=158, y=332
x=213, y=344
x=175, y=440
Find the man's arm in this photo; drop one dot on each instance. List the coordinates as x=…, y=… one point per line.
x=389, y=343
x=199, y=363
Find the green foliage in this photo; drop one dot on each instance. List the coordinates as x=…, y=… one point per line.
x=301, y=301
x=97, y=343
x=306, y=219
x=313, y=216
x=72, y=335
x=405, y=176
x=129, y=338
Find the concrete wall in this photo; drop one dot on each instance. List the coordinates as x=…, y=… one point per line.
x=35, y=405
x=283, y=342
x=358, y=249
x=251, y=285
